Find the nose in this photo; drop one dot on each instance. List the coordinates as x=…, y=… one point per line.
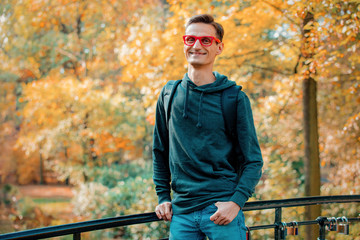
x=197, y=44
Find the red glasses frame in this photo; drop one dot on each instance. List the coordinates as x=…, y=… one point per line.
x=200, y=40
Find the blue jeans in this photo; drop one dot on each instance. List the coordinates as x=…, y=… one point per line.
x=197, y=225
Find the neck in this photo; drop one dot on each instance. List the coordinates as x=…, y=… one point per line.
x=201, y=76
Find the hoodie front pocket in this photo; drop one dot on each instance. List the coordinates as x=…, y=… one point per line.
x=228, y=177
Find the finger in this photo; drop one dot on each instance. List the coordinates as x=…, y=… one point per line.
x=157, y=211
x=163, y=215
x=158, y=215
x=223, y=222
x=162, y=212
x=168, y=212
x=215, y=216
x=227, y=222
x=220, y=220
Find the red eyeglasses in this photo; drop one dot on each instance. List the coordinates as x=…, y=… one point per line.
x=205, y=41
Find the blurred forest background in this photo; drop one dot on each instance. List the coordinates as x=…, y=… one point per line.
x=79, y=81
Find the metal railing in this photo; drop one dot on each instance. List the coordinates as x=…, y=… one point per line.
x=76, y=229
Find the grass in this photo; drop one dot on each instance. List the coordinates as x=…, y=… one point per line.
x=59, y=208
x=40, y=201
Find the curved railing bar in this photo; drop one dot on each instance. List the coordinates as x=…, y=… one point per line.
x=303, y=201
x=92, y=225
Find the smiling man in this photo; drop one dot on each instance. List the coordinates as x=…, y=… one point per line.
x=210, y=172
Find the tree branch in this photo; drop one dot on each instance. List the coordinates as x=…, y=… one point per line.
x=280, y=10
x=297, y=64
x=270, y=69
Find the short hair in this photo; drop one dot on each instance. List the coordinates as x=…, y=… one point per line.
x=208, y=19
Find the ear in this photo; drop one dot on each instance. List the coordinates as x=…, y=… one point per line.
x=220, y=48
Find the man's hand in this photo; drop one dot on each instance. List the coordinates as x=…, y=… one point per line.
x=164, y=211
x=226, y=212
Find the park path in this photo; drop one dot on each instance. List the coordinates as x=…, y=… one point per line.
x=52, y=212
x=46, y=191
x=61, y=211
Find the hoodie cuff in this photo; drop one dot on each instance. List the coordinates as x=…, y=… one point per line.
x=239, y=199
x=164, y=198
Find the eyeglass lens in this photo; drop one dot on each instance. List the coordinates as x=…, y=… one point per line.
x=206, y=41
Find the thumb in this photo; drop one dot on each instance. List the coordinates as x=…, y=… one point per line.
x=215, y=216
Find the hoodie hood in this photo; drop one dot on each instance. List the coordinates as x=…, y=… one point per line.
x=221, y=83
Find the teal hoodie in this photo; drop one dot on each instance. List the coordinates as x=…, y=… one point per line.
x=192, y=157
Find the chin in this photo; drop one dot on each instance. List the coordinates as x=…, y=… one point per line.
x=196, y=64
x=195, y=61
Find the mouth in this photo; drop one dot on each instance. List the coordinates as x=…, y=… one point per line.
x=196, y=53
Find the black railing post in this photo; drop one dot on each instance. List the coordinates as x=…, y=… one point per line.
x=322, y=223
x=278, y=219
x=77, y=236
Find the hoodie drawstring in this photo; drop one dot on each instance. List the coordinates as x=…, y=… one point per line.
x=199, y=125
x=186, y=102
x=185, y=114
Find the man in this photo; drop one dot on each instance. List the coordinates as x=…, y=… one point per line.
x=193, y=151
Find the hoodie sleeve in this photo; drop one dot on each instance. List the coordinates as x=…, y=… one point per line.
x=161, y=174
x=249, y=145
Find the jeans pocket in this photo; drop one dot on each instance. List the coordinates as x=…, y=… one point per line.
x=211, y=209
x=241, y=223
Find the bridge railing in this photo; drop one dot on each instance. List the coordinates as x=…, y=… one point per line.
x=279, y=226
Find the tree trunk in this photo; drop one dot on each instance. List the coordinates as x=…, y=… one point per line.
x=42, y=181
x=312, y=161
x=311, y=141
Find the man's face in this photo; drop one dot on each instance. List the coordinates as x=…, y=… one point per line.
x=199, y=55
